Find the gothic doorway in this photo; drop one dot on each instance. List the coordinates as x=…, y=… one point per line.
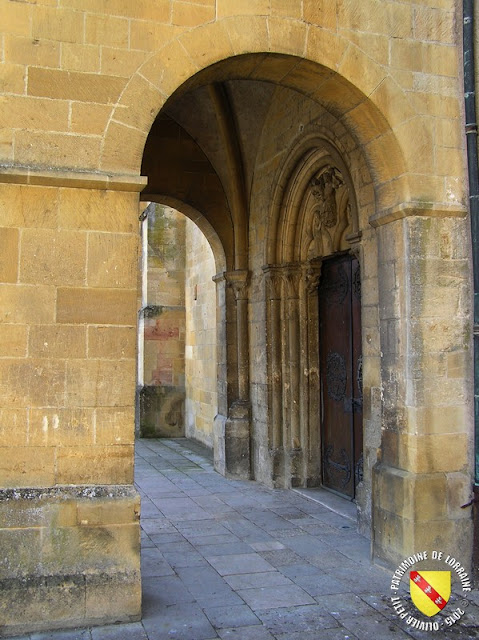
x=341, y=374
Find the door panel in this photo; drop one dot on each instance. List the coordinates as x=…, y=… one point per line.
x=341, y=374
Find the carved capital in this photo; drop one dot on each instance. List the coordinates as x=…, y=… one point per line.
x=273, y=278
x=291, y=274
x=354, y=241
x=238, y=280
x=219, y=277
x=312, y=274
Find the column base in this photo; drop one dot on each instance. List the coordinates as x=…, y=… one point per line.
x=72, y=557
x=419, y=511
x=219, y=456
x=296, y=478
x=237, y=441
x=278, y=467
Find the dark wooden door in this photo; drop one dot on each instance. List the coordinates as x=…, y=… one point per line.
x=341, y=374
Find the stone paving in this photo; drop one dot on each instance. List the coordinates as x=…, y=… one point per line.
x=237, y=561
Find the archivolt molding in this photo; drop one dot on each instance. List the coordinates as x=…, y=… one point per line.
x=314, y=212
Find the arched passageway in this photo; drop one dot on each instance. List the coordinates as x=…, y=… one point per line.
x=296, y=141
x=292, y=166
x=177, y=371
x=281, y=173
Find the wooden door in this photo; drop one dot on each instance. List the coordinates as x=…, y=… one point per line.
x=341, y=374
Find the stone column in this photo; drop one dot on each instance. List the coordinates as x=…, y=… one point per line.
x=238, y=424
x=292, y=277
x=311, y=410
x=273, y=329
x=69, y=511
x=223, y=338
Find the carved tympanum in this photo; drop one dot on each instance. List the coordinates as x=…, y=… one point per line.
x=331, y=212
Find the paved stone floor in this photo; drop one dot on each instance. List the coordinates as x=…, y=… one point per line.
x=235, y=560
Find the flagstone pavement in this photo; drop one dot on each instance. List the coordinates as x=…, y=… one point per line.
x=237, y=561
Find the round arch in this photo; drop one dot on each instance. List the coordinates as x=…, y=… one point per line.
x=201, y=222
x=306, y=58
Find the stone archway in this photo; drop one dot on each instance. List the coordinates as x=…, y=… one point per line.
x=354, y=137
x=179, y=324
x=230, y=214
x=72, y=177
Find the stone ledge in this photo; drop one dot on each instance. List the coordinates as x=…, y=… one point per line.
x=71, y=179
x=60, y=493
x=424, y=209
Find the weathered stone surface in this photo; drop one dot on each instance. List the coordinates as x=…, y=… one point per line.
x=96, y=306
x=9, y=247
x=272, y=94
x=200, y=338
x=162, y=412
x=72, y=554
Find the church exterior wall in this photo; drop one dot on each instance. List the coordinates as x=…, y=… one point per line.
x=377, y=88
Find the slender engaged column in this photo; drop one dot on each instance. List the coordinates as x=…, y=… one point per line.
x=273, y=338
x=310, y=382
x=273, y=296
x=292, y=277
x=238, y=427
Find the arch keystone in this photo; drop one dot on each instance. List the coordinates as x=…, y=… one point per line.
x=287, y=36
x=197, y=43
x=247, y=34
x=169, y=68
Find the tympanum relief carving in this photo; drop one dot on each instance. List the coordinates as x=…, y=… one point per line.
x=329, y=213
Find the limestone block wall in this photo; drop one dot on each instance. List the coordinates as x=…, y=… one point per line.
x=162, y=394
x=69, y=524
x=82, y=82
x=68, y=307
x=200, y=339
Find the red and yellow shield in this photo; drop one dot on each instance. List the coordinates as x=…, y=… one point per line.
x=430, y=590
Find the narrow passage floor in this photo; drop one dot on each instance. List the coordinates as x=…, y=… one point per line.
x=234, y=560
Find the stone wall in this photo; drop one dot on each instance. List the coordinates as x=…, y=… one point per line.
x=69, y=514
x=200, y=339
x=82, y=84
x=162, y=393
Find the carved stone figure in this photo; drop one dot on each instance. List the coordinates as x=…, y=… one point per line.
x=324, y=189
x=330, y=212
